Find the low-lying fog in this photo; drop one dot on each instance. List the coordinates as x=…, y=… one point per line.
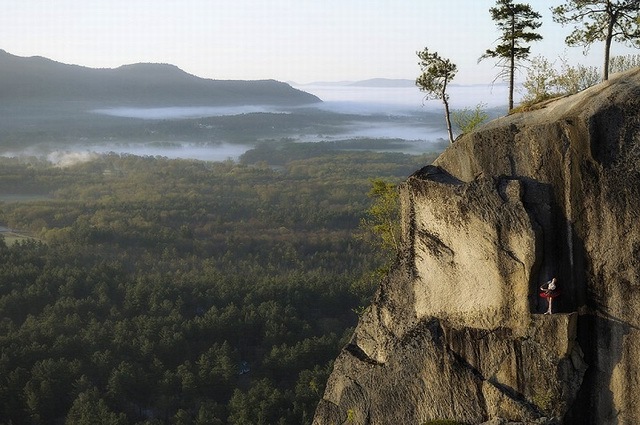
x=204, y=152
x=183, y=112
x=399, y=100
x=220, y=133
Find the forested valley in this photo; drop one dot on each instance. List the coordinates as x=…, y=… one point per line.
x=143, y=290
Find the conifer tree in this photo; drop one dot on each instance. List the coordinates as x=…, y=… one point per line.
x=437, y=73
x=516, y=23
x=601, y=20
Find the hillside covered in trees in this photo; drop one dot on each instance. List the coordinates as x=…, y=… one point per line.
x=148, y=290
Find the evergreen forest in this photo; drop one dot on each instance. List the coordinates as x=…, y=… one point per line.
x=147, y=290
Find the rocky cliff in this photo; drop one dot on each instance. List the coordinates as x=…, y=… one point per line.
x=456, y=331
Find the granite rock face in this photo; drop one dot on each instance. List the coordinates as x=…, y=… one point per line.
x=456, y=331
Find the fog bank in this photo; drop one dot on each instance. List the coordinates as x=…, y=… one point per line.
x=184, y=112
x=67, y=136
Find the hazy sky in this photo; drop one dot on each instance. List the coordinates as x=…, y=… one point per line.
x=288, y=40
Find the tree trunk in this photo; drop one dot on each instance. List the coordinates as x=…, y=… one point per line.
x=512, y=72
x=512, y=65
x=445, y=100
x=607, y=47
x=448, y=118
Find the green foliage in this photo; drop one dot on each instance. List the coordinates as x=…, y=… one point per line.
x=262, y=404
x=623, y=63
x=181, y=291
x=437, y=73
x=382, y=219
x=593, y=17
x=540, y=81
x=380, y=228
x=467, y=119
x=600, y=20
x=90, y=409
x=544, y=399
x=545, y=81
x=516, y=23
x=574, y=79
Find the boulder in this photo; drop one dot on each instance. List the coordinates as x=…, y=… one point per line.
x=456, y=329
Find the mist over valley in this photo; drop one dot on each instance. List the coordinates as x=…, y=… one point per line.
x=64, y=113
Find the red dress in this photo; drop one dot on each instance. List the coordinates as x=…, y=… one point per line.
x=551, y=294
x=549, y=290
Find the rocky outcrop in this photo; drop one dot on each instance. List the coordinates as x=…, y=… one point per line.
x=456, y=331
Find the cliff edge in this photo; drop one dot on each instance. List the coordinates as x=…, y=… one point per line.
x=456, y=329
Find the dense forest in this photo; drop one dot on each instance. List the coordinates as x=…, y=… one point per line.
x=143, y=290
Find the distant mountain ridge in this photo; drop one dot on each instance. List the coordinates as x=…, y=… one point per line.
x=41, y=79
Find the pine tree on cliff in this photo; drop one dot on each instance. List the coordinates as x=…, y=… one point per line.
x=516, y=22
x=437, y=73
x=601, y=20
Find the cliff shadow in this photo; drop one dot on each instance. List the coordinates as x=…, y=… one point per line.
x=561, y=253
x=601, y=338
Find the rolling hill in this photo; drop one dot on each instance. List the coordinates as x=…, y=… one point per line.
x=41, y=79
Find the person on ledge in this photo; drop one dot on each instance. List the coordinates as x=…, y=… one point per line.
x=549, y=291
